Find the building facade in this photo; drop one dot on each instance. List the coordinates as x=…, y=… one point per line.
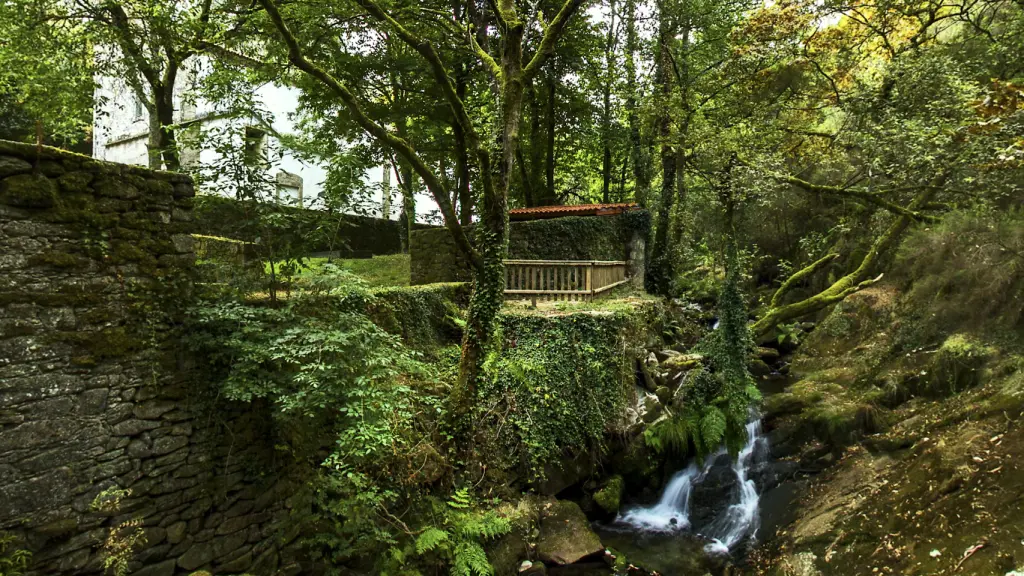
x=121, y=134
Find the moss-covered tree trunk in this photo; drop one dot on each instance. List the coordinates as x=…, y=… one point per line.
x=779, y=313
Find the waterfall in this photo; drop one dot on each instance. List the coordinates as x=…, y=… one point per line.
x=672, y=510
x=736, y=523
x=740, y=519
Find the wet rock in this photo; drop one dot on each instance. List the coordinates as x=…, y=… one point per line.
x=565, y=535
x=569, y=472
x=712, y=495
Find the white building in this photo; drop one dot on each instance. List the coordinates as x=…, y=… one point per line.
x=121, y=133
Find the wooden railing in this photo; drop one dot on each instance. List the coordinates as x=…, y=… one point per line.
x=562, y=279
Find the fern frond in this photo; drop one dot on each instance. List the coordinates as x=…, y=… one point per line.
x=461, y=499
x=431, y=538
x=484, y=526
x=471, y=560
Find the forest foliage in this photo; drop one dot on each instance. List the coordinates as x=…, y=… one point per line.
x=785, y=150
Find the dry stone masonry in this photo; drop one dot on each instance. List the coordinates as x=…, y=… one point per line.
x=97, y=394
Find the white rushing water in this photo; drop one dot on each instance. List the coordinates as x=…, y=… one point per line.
x=740, y=519
x=736, y=523
x=673, y=509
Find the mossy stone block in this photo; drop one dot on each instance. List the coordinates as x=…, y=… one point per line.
x=10, y=165
x=28, y=191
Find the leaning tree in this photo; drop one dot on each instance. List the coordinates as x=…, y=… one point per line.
x=325, y=42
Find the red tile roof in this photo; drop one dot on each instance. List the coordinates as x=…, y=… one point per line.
x=575, y=210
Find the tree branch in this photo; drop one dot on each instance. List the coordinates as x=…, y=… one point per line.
x=552, y=33
x=798, y=276
x=853, y=281
x=426, y=49
x=487, y=59
x=399, y=145
x=868, y=197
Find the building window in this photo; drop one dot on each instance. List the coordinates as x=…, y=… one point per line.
x=139, y=110
x=289, y=189
x=255, y=146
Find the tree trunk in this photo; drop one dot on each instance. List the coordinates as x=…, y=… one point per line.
x=163, y=148
x=408, y=187
x=661, y=273
x=606, y=115
x=385, y=206
x=492, y=234
x=549, y=196
x=641, y=174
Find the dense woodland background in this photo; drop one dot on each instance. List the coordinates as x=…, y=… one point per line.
x=784, y=151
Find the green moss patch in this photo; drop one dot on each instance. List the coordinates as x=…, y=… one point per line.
x=958, y=365
x=609, y=498
x=28, y=191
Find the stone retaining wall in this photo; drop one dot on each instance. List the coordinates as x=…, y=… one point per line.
x=96, y=394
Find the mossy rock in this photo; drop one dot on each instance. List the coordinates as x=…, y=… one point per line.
x=28, y=191
x=682, y=362
x=565, y=535
x=957, y=366
x=56, y=259
x=609, y=498
x=75, y=182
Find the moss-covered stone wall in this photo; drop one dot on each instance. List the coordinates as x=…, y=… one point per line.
x=98, y=398
x=304, y=231
x=435, y=258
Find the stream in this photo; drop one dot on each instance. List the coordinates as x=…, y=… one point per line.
x=671, y=537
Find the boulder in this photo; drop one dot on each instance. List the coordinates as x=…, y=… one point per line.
x=664, y=355
x=664, y=394
x=713, y=494
x=569, y=472
x=652, y=408
x=682, y=362
x=565, y=535
x=646, y=377
x=759, y=368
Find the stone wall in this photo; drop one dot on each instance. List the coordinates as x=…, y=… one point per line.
x=303, y=231
x=435, y=258
x=96, y=394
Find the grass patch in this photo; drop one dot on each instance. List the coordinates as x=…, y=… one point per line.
x=379, y=271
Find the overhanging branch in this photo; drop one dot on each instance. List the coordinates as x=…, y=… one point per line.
x=399, y=145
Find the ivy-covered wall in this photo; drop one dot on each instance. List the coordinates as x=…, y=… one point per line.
x=303, y=231
x=102, y=419
x=563, y=383
x=435, y=258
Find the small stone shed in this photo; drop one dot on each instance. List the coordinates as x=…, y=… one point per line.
x=581, y=232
